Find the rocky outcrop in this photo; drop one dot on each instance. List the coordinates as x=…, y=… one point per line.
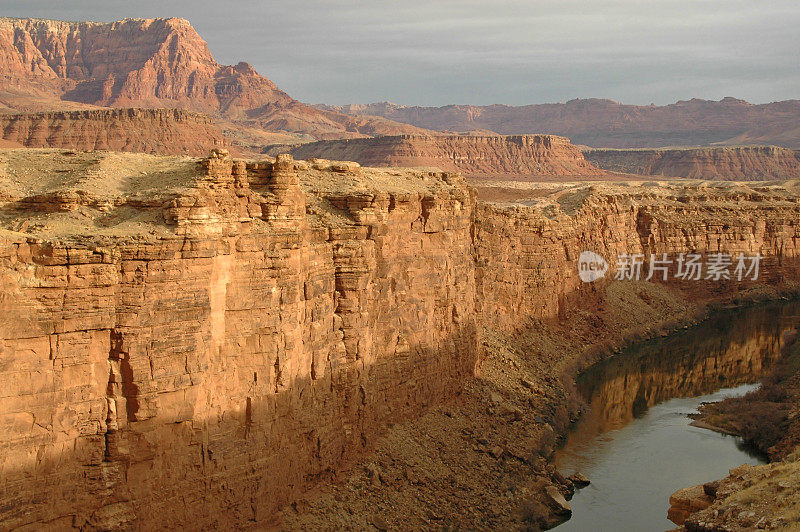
x=741, y=163
x=151, y=63
x=523, y=156
x=211, y=338
x=164, y=131
x=608, y=124
x=763, y=497
x=685, y=502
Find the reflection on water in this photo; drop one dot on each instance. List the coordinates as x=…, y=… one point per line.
x=635, y=443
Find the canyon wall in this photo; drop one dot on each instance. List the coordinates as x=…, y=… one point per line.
x=522, y=156
x=211, y=347
x=165, y=131
x=211, y=373
x=527, y=256
x=741, y=163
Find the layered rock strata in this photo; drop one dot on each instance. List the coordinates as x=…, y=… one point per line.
x=527, y=255
x=213, y=371
x=743, y=163
x=522, y=156
x=208, y=342
x=165, y=131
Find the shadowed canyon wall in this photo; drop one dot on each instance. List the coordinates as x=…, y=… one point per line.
x=211, y=375
x=719, y=353
x=744, y=163
x=262, y=338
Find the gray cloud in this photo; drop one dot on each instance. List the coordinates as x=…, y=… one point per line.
x=437, y=52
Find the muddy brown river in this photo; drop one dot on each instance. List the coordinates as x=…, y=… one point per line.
x=635, y=442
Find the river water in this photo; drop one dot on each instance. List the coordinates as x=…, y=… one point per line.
x=635, y=442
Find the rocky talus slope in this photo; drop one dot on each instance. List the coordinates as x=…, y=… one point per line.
x=153, y=63
x=523, y=156
x=740, y=163
x=608, y=124
x=205, y=339
x=158, y=131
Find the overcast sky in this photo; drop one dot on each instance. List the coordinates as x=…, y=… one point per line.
x=437, y=52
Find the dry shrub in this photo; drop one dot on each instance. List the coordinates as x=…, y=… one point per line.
x=763, y=424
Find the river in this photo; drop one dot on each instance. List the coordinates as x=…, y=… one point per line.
x=635, y=442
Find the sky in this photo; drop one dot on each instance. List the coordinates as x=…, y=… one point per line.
x=439, y=52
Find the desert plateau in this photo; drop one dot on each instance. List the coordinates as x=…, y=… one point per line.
x=223, y=307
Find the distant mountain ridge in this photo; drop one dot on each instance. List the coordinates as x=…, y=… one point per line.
x=608, y=124
x=53, y=66
x=152, y=63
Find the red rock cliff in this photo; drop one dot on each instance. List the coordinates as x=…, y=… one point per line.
x=164, y=131
x=499, y=156
x=743, y=163
x=531, y=253
x=258, y=339
x=152, y=63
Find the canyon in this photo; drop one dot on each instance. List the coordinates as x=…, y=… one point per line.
x=522, y=156
x=237, y=310
x=741, y=163
x=211, y=337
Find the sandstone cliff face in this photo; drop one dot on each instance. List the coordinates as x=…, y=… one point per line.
x=214, y=369
x=742, y=163
x=527, y=255
x=498, y=156
x=133, y=130
x=151, y=63
x=210, y=339
x=608, y=124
